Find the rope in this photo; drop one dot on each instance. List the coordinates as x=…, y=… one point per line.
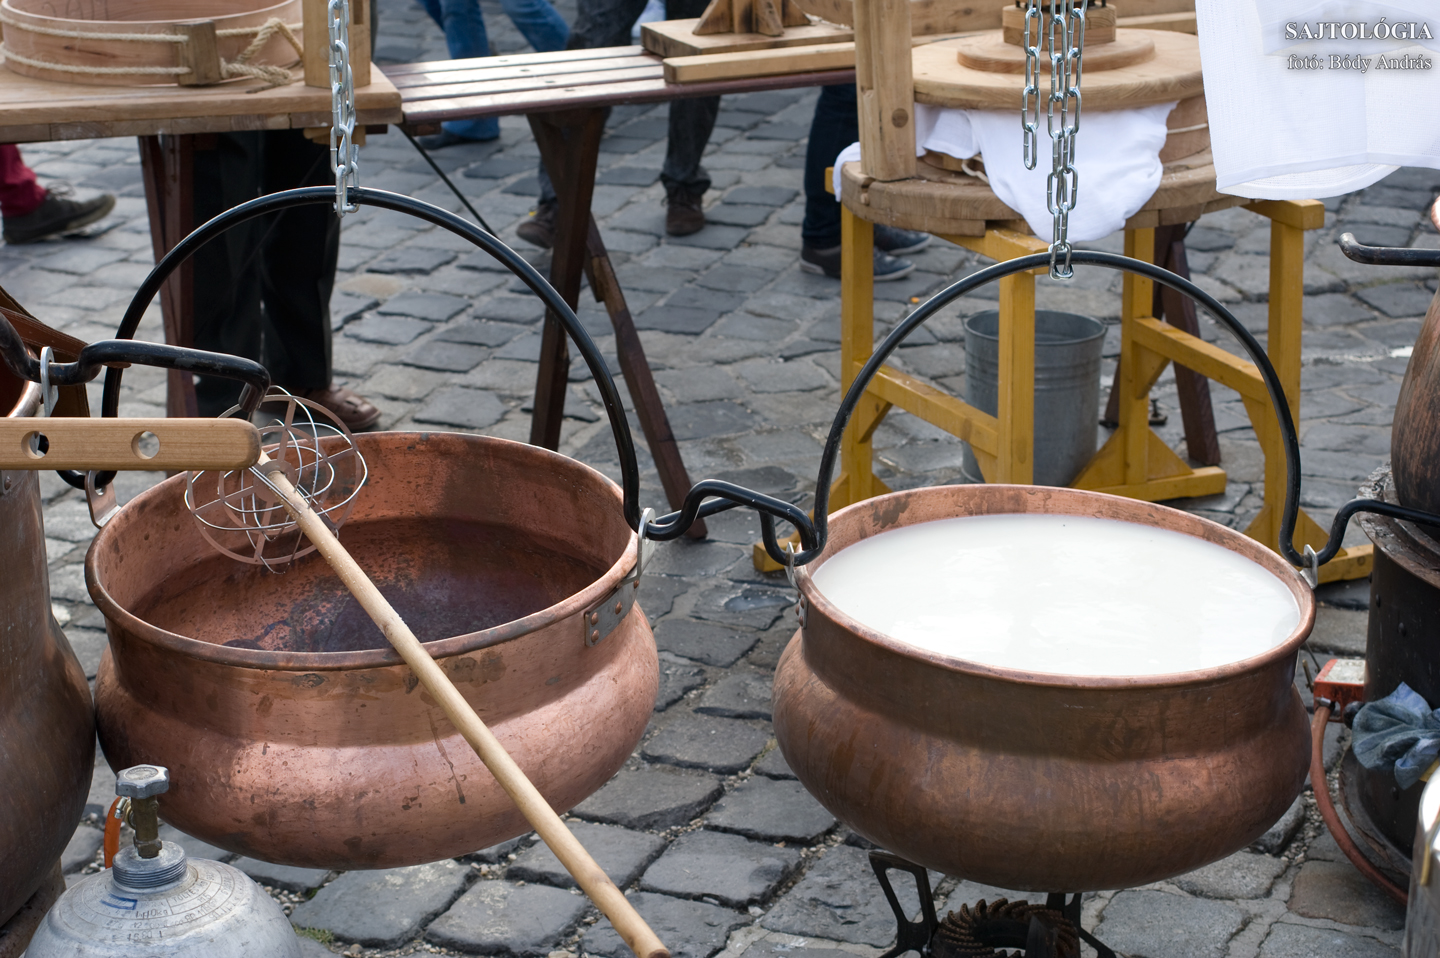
x=229, y=69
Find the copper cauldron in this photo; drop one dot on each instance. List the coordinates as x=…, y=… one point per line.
x=1031, y=781
x=295, y=734
x=47, y=723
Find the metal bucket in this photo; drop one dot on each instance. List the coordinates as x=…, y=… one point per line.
x=1067, y=388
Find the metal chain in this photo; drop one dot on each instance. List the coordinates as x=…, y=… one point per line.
x=344, y=156
x=1065, y=44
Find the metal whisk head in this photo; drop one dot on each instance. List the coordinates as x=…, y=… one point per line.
x=241, y=513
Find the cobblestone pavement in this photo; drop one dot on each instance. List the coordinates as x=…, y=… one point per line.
x=719, y=846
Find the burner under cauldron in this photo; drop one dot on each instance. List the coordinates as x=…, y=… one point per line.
x=989, y=930
x=1051, y=930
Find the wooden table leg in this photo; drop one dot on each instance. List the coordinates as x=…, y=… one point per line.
x=636, y=369
x=1196, y=410
x=167, y=163
x=569, y=143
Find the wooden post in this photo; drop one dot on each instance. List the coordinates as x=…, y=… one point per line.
x=200, y=52
x=885, y=86
x=1015, y=408
x=1134, y=412
x=317, y=42
x=857, y=342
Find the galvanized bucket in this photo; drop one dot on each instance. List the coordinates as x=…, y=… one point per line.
x=1067, y=389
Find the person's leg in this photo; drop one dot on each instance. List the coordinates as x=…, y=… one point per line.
x=833, y=127
x=465, y=38
x=20, y=192
x=226, y=284
x=539, y=23
x=298, y=272
x=691, y=123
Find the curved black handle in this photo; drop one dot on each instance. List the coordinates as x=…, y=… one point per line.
x=313, y=195
x=97, y=355
x=813, y=532
x=1387, y=255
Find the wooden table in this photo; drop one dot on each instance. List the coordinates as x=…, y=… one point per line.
x=566, y=97
x=167, y=119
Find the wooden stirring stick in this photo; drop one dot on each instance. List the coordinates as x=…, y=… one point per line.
x=592, y=880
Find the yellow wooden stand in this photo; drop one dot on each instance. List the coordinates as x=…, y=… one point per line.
x=1135, y=462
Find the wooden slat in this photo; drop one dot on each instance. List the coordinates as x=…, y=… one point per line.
x=938, y=408
x=608, y=94
x=1301, y=214
x=535, y=84
x=32, y=109
x=111, y=444
x=413, y=84
x=726, y=66
x=1205, y=358
x=395, y=71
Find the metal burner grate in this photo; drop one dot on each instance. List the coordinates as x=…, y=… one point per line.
x=991, y=930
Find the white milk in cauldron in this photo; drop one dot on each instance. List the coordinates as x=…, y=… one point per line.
x=1069, y=595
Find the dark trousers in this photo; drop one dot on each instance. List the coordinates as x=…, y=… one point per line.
x=607, y=23
x=20, y=193
x=833, y=128
x=262, y=290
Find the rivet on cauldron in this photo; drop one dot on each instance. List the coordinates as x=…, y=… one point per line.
x=594, y=617
x=595, y=635
x=618, y=607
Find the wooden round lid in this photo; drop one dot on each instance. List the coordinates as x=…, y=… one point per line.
x=1172, y=72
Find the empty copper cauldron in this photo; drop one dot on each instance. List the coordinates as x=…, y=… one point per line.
x=47, y=723
x=1029, y=781
x=295, y=734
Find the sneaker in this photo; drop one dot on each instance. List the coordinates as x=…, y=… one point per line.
x=355, y=411
x=57, y=215
x=898, y=242
x=827, y=262
x=684, y=214
x=539, y=229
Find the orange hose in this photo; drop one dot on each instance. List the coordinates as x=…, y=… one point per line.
x=1321, y=785
x=113, y=820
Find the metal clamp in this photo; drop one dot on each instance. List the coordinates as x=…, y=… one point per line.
x=51, y=394
x=102, y=501
x=603, y=617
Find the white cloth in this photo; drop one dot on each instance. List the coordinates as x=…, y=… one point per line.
x=1280, y=131
x=1117, y=160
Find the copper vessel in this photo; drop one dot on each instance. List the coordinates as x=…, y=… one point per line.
x=1415, y=432
x=1032, y=781
x=47, y=723
x=296, y=735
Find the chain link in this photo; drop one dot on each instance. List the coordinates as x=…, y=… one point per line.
x=344, y=156
x=1065, y=45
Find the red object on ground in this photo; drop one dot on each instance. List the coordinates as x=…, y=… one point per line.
x=20, y=192
x=1341, y=682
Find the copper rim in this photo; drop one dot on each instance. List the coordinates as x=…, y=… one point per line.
x=369, y=658
x=1175, y=521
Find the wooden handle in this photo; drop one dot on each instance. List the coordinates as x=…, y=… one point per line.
x=577, y=861
x=87, y=444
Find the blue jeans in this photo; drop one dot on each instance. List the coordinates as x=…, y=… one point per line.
x=834, y=127
x=464, y=26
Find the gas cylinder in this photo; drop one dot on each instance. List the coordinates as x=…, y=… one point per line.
x=157, y=902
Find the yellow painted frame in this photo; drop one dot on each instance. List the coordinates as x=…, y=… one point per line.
x=1135, y=462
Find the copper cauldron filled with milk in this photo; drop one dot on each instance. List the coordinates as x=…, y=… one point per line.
x=1046, y=689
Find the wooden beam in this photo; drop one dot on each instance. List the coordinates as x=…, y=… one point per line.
x=777, y=62
x=1205, y=358
x=200, y=53
x=885, y=87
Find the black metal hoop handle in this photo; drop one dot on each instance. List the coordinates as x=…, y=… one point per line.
x=813, y=531
x=396, y=202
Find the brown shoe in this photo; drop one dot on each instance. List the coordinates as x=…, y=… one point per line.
x=355, y=411
x=539, y=229
x=684, y=214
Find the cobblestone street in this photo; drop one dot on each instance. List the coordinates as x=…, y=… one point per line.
x=705, y=828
